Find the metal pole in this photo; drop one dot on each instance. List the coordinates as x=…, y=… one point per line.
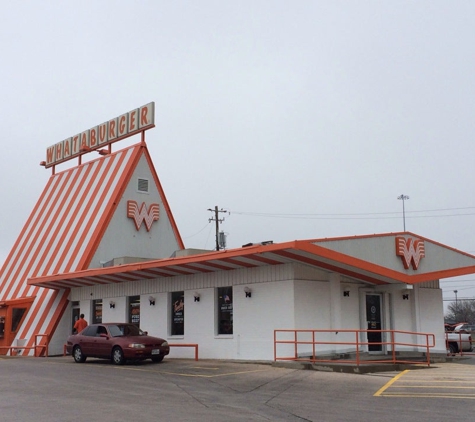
x=217, y=221
x=403, y=198
x=217, y=226
x=456, y=304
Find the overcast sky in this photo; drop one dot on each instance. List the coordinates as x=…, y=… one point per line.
x=303, y=119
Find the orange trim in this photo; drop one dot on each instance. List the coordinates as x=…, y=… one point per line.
x=25, y=243
x=404, y=234
x=77, y=194
x=113, y=204
x=103, y=190
x=168, y=210
x=46, y=239
x=54, y=321
x=30, y=320
x=195, y=346
x=358, y=268
x=330, y=267
x=56, y=227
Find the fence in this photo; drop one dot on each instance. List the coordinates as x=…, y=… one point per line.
x=20, y=347
x=317, y=346
x=459, y=342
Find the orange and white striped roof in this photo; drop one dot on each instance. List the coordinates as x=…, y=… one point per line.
x=63, y=232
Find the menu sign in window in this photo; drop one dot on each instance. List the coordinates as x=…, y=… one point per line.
x=134, y=310
x=97, y=311
x=178, y=314
x=225, y=310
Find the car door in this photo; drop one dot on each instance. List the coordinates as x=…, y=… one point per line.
x=86, y=340
x=103, y=342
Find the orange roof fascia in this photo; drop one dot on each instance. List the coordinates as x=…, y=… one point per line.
x=145, y=265
x=297, y=245
x=386, y=272
x=19, y=301
x=437, y=275
x=350, y=260
x=226, y=255
x=164, y=199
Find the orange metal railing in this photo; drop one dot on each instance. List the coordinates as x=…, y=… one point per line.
x=313, y=345
x=37, y=347
x=464, y=345
x=194, y=345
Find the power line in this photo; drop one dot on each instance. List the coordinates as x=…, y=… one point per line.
x=193, y=235
x=360, y=216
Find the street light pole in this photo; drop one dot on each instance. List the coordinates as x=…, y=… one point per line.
x=456, y=304
x=403, y=198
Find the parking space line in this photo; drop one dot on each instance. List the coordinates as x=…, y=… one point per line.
x=389, y=383
x=446, y=381
x=181, y=374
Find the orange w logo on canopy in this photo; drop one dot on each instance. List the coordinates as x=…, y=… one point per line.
x=410, y=250
x=142, y=214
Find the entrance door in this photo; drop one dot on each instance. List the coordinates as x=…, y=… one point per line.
x=373, y=318
x=75, y=316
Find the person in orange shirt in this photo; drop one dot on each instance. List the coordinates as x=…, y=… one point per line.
x=80, y=324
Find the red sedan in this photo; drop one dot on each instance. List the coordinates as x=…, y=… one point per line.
x=116, y=341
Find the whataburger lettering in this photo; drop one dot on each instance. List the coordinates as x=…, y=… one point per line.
x=114, y=130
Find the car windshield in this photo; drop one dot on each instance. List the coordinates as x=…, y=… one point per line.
x=125, y=330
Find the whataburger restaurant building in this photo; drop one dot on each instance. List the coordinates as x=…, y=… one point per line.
x=102, y=241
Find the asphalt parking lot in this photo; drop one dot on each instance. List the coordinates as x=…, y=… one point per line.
x=57, y=389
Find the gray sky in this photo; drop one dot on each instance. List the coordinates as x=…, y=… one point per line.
x=303, y=119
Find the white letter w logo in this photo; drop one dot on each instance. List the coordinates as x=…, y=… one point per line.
x=410, y=251
x=142, y=215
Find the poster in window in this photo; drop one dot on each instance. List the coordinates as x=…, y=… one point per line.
x=178, y=314
x=225, y=310
x=134, y=310
x=97, y=311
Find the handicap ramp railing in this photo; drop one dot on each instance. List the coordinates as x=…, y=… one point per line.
x=40, y=347
x=353, y=346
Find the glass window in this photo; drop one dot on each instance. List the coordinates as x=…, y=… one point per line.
x=125, y=330
x=134, y=310
x=225, y=310
x=178, y=314
x=101, y=330
x=2, y=326
x=17, y=315
x=97, y=311
x=89, y=331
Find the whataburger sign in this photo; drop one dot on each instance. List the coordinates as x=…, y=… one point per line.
x=123, y=126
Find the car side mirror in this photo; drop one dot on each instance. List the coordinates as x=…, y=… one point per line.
x=146, y=333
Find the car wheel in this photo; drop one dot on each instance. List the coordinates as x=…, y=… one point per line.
x=118, y=356
x=453, y=348
x=78, y=356
x=157, y=359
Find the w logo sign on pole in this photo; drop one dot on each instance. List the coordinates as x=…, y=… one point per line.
x=142, y=214
x=410, y=251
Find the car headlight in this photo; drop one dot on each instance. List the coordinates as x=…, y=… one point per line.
x=137, y=346
x=164, y=344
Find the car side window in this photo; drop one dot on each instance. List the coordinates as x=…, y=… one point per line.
x=101, y=330
x=90, y=331
x=115, y=331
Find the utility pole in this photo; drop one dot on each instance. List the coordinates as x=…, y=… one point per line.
x=403, y=198
x=218, y=220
